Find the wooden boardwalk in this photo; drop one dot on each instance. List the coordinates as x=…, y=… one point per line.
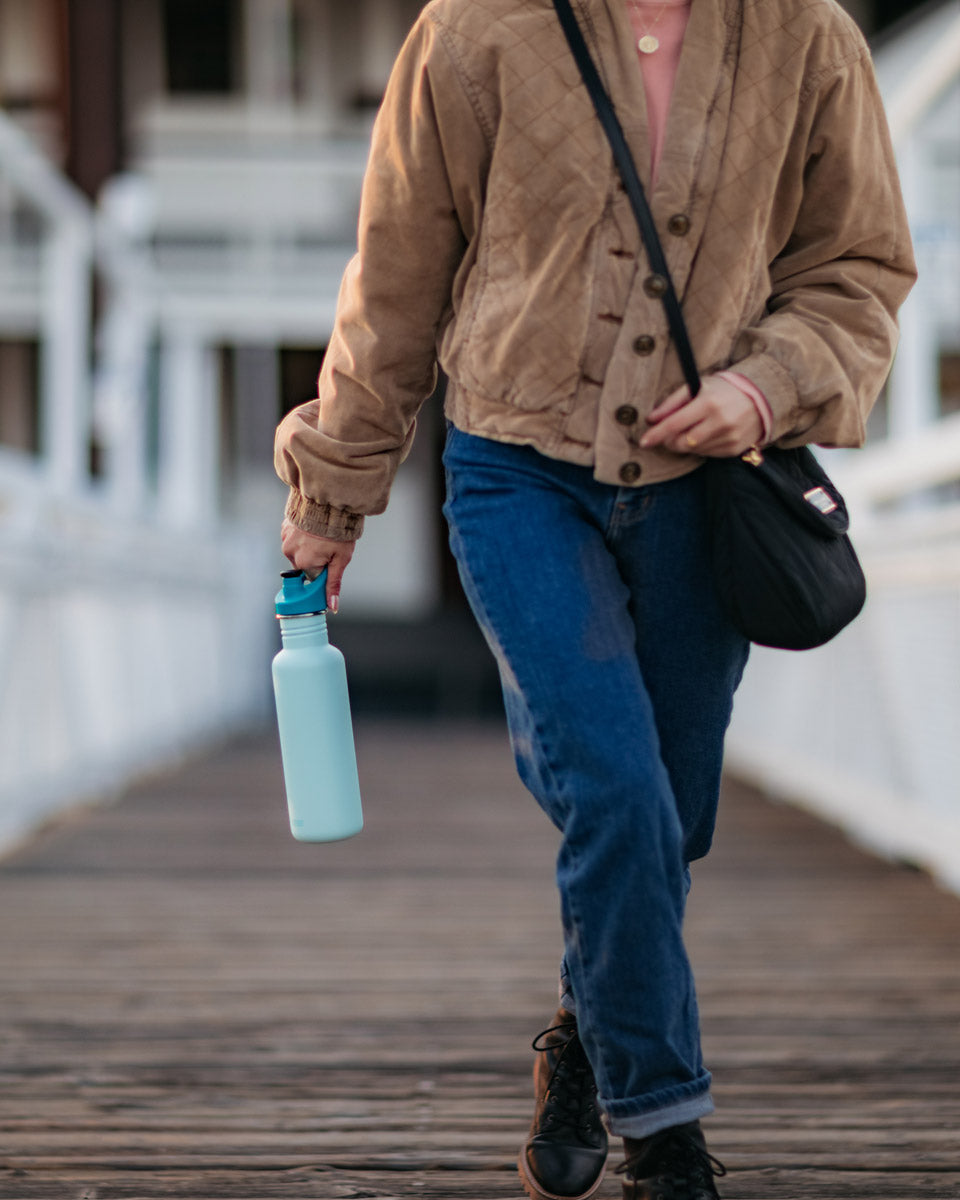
x=193, y=1005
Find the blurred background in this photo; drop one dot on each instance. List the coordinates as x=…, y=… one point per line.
x=179, y=184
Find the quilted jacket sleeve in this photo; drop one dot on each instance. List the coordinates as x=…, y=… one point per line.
x=420, y=202
x=822, y=351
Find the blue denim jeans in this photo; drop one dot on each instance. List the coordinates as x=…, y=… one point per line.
x=618, y=673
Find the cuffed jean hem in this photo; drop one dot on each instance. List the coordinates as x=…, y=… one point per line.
x=641, y=1125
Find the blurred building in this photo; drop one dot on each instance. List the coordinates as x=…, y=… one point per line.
x=226, y=141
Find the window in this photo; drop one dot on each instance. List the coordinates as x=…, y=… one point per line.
x=18, y=394
x=201, y=44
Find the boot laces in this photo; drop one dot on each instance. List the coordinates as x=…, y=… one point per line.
x=570, y=1103
x=675, y=1165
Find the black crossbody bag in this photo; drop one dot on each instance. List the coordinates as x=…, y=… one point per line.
x=786, y=571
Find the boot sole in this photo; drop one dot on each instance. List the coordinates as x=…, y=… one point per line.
x=536, y=1192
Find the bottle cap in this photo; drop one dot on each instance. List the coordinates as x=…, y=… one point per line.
x=300, y=596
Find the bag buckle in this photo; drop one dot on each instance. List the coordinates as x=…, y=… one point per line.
x=821, y=500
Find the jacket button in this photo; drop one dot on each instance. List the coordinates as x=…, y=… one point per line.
x=679, y=225
x=626, y=414
x=644, y=344
x=630, y=472
x=655, y=285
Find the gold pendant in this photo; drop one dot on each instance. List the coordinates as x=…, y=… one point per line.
x=647, y=44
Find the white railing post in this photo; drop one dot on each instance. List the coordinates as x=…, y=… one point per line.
x=188, y=482
x=910, y=92
x=67, y=261
x=65, y=355
x=914, y=381
x=123, y=340
x=121, y=398
x=320, y=47
x=269, y=52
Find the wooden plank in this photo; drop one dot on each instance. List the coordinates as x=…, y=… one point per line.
x=437, y=1183
x=194, y=1005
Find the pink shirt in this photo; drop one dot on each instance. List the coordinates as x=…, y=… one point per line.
x=666, y=20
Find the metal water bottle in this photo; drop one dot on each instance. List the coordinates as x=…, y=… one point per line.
x=313, y=713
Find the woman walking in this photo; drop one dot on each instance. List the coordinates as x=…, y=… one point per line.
x=496, y=239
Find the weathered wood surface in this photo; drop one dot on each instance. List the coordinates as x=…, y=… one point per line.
x=193, y=1005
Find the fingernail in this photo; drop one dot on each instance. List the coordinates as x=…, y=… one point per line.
x=334, y=604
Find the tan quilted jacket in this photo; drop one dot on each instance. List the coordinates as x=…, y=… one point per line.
x=494, y=235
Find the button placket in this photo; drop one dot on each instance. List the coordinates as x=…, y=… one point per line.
x=642, y=339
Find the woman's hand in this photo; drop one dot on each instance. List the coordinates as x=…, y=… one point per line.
x=311, y=554
x=722, y=421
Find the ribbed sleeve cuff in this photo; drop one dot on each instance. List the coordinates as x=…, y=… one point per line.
x=759, y=400
x=323, y=520
x=776, y=386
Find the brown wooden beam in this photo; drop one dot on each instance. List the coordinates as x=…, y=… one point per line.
x=94, y=127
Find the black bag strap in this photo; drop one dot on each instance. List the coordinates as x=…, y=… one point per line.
x=631, y=180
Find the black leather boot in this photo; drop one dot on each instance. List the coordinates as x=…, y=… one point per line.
x=672, y=1165
x=564, y=1156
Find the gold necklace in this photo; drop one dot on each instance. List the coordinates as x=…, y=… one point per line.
x=648, y=44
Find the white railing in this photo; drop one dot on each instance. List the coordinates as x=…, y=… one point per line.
x=864, y=730
x=134, y=624
x=121, y=646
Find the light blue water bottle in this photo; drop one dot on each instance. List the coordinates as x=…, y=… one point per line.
x=313, y=713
